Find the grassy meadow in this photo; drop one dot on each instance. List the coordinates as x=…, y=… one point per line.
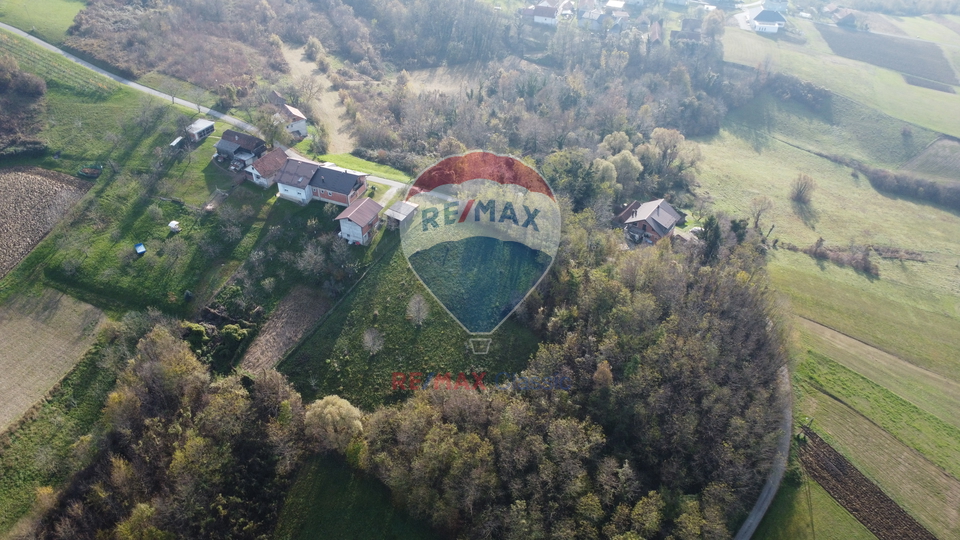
x=875, y=87
x=330, y=500
x=350, y=161
x=880, y=378
x=333, y=360
x=46, y=19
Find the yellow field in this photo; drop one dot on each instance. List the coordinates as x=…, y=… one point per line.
x=43, y=338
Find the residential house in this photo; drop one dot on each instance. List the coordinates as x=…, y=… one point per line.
x=655, y=35
x=199, y=130
x=596, y=20
x=359, y=221
x=689, y=30
x=240, y=146
x=277, y=99
x=768, y=21
x=548, y=12
x=651, y=221
x=263, y=170
x=295, y=122
x=293, y=179
x=302, y=180
x=844, y=17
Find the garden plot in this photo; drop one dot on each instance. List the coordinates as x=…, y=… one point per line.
x=34, y=200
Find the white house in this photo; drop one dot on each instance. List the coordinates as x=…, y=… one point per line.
x=199, y=129
x=768, y=21
x=263, y=170
x=294, y=121
x=293, y=180
x=302, y=180
x=359, y=221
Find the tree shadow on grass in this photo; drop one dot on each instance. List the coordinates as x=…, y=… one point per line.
x=807, y=213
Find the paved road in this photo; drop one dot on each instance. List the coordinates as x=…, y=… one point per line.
x=136, y=86
x=779, y=461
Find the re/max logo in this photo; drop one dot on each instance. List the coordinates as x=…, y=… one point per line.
x=430, y=217
x=504, y=381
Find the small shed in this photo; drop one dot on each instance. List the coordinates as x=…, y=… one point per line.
x=399, y=212
x=140, y=249
x=199, y=129
x=176, y=143
x=174, y=226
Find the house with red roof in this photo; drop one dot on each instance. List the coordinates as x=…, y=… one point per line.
x=359, y=221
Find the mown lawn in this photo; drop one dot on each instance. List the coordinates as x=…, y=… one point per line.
x=331, y=501
x=333, y=359
x=47, y=19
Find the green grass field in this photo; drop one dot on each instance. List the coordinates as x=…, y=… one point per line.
x=872, y=86
x=333, y=361
x=331, y=501
x=39, y=450
x=807, y=512
x=350, y=161
x=47, y=19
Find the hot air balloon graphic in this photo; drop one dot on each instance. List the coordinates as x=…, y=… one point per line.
x=485, y=232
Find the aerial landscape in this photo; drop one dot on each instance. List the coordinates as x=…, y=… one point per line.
x=480, y=269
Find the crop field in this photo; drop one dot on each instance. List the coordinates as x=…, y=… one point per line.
x=34, y=201
x=940, y=160
x=870, y=85
x=289, y=322
x=856, y=493
x=917, y=485
x=330, y=500
x=48, y=19
x=55, y=69
x=333, y=360
x=43, y=337
x=908, y=56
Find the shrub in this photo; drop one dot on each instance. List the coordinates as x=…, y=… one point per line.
x=802, y=189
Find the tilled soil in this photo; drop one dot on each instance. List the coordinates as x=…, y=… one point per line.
x=32, y=201
x=857, y=494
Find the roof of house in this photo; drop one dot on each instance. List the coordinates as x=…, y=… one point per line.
x=336, y=179
x=681, y=34
x=625, y=214
x=297, y=172
x=658, y=214
x=829, y=8
x=615, y=4
x=271, y=162
x=227, y=146
x=690, y=25
x=769, y=16
x=656, y=32
x=292, y=112
x=362, y=211
x=242, y=140
x=198, y=125
x=401, y=209
x=545, y=11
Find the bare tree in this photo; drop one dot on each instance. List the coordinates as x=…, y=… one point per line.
x=372, y=341
x=418, y=309
x=758, y=207
x=802, y=189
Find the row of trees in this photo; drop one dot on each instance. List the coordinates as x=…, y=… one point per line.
x=180, y=455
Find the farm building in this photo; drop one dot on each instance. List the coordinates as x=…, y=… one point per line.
x=650, y=221
x=266, y=168
x=768, y=21
x=399, y=212
x=240, y=146
x=359, y=221
x=295, y=123
x=199, y=130
x=302, y=180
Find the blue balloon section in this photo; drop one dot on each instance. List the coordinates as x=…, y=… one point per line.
x=480, y=280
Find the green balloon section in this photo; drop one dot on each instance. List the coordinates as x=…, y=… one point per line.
x=480, y=280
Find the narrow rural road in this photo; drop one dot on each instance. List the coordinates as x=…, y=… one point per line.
x=136, y=86
x=779, y=461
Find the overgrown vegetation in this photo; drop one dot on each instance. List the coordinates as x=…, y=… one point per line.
x=21, y=104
